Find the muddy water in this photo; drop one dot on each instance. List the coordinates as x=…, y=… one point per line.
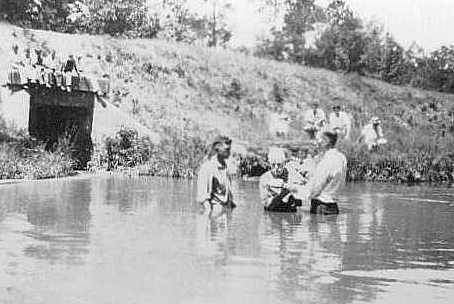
x=139, y=240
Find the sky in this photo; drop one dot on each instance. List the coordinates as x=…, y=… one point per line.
x=429, y=23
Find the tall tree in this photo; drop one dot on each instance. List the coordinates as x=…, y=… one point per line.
x=218, y=31
x=342, y=44
x=290, y=41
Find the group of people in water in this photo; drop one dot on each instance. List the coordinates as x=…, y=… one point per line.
x=293, y=180
x=290, y=183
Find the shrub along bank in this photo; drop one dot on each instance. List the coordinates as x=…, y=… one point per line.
x=24, y=158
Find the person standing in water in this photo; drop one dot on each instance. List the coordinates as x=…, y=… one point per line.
x=273, y=192
x=214, y=182
x=327, y=179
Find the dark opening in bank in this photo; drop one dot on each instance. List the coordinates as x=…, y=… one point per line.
x=57, y=116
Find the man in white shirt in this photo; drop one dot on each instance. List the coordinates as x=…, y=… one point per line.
x=372, y=134
x=327, y=179
x=339, y=121
x=315, y=120
x=214, y=182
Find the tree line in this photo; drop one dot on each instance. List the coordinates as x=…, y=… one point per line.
x=166, y=19
x=346, y=43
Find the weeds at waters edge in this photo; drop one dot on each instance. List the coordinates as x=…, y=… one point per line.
x=19, y=161
x=178, y=155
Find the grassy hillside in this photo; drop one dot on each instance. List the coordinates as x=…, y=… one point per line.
x=202, y=91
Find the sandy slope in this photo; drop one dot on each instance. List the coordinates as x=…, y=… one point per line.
x=204, y=91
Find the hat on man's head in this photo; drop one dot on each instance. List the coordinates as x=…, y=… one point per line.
x=221, y=139
x=331, y=134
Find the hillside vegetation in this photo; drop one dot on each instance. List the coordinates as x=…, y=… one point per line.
x=197, y=92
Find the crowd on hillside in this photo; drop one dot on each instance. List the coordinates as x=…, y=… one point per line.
x=37, y=67
x=339, y=121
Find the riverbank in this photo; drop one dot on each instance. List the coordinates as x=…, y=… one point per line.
x=187, y=94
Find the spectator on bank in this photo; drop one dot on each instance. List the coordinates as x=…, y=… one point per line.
x=214, y=182
x=339, y=121
x=315, y=120
x=69, y=70
x=372, y=134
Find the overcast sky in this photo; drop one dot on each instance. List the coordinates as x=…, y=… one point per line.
x=430, y=23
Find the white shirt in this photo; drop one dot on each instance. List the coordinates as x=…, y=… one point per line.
x=314, y=119
x=328, y=177
x=370, y=135
x=341, y=122
x=214, y=182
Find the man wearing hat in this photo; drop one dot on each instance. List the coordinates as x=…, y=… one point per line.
x=214, y=182
x=339, y=121
x=372, y=134
x=315, y=120
x=327, y=179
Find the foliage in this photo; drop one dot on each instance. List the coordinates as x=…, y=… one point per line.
x=167, y=19
x=177, y=155
x=289, y=42
x=28, y=159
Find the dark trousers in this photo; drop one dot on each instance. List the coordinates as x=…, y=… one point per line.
x=277, y=205
x=319, y=207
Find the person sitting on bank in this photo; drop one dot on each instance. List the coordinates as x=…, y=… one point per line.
x=327, y=179
x=69, y=70
x=372, y=134
x=214, y=182
x=339, y=121
x=315, y=120
x=273, y=192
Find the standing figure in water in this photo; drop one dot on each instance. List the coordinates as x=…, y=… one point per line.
x=327, y=178
x=273, y=185
x=214, y=182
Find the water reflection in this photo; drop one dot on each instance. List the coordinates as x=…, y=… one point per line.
x=137, y=239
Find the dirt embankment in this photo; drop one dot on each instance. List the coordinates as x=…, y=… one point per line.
x=157, y=84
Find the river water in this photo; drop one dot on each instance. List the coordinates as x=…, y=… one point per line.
x=144, y=240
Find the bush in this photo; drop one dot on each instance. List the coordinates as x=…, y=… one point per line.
x=18, y=161
x=177, y=155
